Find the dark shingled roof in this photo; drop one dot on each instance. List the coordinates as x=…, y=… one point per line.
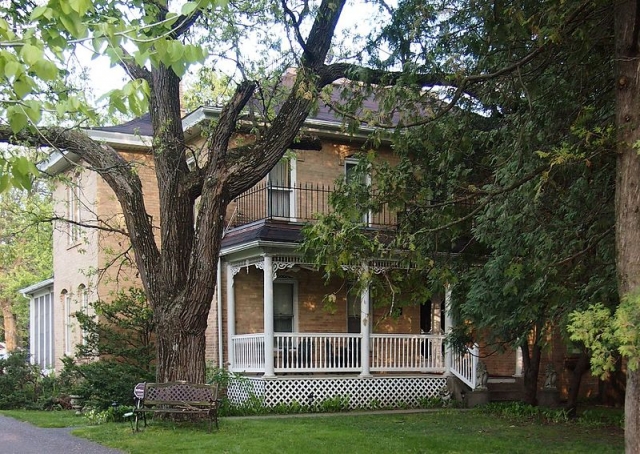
x=142, y=125
x=264, y=230
x=138, y=126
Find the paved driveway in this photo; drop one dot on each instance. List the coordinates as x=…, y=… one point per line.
x=23, y=438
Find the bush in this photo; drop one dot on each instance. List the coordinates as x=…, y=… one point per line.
x=19, y=382
x=121, y=329
x=101, y=383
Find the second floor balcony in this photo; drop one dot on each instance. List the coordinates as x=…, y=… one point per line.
x=298, y=203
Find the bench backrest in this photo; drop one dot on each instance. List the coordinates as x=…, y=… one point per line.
x=177, y=393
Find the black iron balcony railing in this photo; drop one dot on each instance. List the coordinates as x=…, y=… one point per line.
x=299, y=203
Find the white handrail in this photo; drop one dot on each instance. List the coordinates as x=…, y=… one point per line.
x=464, y=365
x=340, y=352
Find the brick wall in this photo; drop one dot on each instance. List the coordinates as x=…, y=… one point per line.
x=73, y=260
x=556, y=353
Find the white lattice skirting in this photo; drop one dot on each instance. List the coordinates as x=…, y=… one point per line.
x=371, y=392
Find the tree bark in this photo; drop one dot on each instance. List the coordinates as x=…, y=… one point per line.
x=10, y=326
x=531, y=363
x=627, y=57
x=180, y=282
x=574, y=385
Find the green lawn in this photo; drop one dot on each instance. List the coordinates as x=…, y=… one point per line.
x=446, y=431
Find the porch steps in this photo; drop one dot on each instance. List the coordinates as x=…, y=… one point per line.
x=504, y=389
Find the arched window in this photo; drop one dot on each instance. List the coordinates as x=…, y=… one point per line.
x=83, y=295
x=65, y=300
x=74, y=210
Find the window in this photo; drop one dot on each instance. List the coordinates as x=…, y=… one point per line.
x=65, y=298
x=84, y=307
x=353, y=313
x=281, y=183
x=73, y=211
x=283, y=307
x=432, y=317
x=353, y=174
x=42, y=340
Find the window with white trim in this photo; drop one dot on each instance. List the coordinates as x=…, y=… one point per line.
x=41, y=326
x=284, y=306
x=73, y=211
x=83, y=293
x=354, y=310
x=281, y=182
x=65, y=299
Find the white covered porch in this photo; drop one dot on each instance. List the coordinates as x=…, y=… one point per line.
x=363, y=353
x=369, y=368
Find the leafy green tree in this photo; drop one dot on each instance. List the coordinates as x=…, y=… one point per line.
x=498, y=59
x=155, y=42
x=25, y=255
x=121, y=329
x=522, y=159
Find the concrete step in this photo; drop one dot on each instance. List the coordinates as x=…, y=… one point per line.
x=502, y=389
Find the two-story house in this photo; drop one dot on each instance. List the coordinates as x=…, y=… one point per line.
x=268, y=320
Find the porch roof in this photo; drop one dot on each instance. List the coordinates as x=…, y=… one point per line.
x=268, y=230
x=30, y=290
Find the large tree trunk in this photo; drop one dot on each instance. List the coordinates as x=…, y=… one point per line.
x=574, y=385
x=10, y=326
x=531, y=362
x=180, y=352
x=627, y=57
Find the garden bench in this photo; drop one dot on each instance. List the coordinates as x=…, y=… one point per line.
x=176, y=397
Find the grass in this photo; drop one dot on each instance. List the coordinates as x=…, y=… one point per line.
x=446, y=431
x=48, y=419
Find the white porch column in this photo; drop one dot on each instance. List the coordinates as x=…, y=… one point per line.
x=448, y=323
x=365, y=321
x=519, y=362
x=268, y=316
x=231, y=318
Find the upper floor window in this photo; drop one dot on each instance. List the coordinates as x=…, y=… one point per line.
x=353, y=174
x=73, y=211
x=281, y=184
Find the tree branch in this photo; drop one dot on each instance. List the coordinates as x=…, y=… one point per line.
x=118, y=174
x=184, y=23
x=219, y=142
x=134, y=70
x=296, y=25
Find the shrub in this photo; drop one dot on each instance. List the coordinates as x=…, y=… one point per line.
x=121, y=329
x=19, y=381
x=101, y=383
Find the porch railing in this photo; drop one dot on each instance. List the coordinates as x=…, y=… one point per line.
x=407, y=353
x=248, y=353
x=317, y=352
x=301, y=202
x=464, y=364
x=339, y=352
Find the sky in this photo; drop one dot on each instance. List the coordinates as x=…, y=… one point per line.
x=357, y=15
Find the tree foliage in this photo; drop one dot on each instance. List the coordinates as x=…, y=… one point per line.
x=510, y=194
x=155, y=43
x=120, y=329
x=25, y=254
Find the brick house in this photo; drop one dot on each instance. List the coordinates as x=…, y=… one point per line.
x=267, y=320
